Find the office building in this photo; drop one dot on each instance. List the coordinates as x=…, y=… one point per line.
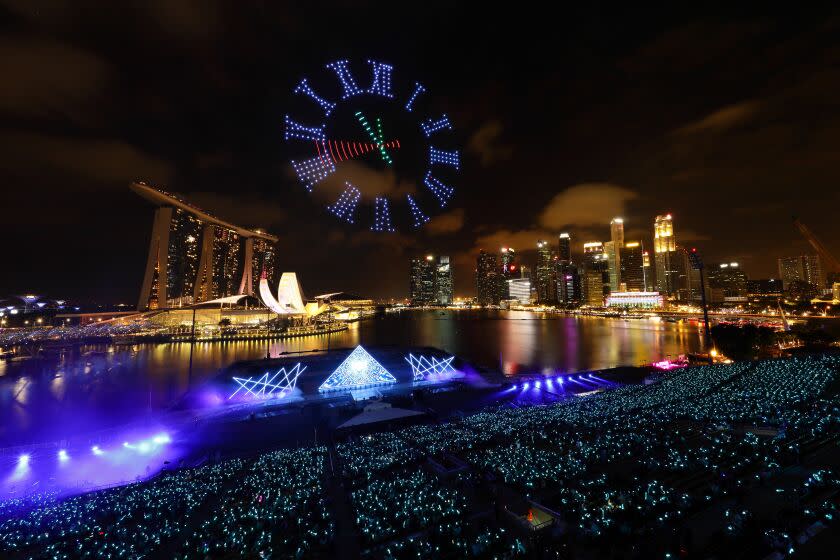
x=568, y=284
x=421, y=290
x=613, y=273
x=726, y=280
x=519, y=289
x=648, y=271
x=544, y=274
x=443, y=281
x=507, y=258
x=768, y=287
x=487, y=279
x=667, y=260
x=564, y=249
x=632, y=267
x=195, y=256
x=430, y=281
x=638, y=300
x=804, y=268
x=595, y=280
x=616, y=243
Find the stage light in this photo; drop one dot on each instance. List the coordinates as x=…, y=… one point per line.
x=96, y=451
x=538, y=384
x=160, y=439
x=526, y=385
x=63, y=456
x=422, y=367
x=279, y=385
x=23, y=459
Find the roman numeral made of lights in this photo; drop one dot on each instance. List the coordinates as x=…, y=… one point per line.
x=302, y=132
x=382, y=216
x=442, y=157
x=419, y=217
x=313, y=170
x=441, y=191
x=345, y=207
x=430, y=126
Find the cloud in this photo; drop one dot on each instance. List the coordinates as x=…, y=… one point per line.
x=449, y=222
x=722, y=119
x=45, y=79
x=484, y=143
x=586, y=204
x=98, y=160
x=371, y=182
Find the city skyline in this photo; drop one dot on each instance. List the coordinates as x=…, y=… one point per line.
x=723, y=123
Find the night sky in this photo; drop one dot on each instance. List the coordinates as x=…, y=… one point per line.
x=565, y=119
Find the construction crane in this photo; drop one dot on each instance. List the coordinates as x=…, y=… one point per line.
x=830, y=262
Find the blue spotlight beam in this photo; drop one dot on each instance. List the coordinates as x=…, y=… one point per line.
x=282, y=381
x=358, y=370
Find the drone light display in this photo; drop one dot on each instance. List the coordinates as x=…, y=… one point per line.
x=280, y=384
x=394, y=124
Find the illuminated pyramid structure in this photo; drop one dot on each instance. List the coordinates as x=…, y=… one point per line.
x=423, y=367
x=358, y=370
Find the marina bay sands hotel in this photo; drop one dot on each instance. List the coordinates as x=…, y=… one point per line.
x=195, y=256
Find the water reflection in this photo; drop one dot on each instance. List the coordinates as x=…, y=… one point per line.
x=105, y=386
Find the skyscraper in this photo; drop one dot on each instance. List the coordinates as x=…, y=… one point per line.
x=804, y=268
x=443, y=281
x=430, y=281
x=648, y=271
x=632, y=267
x=422, y=280
x=195, y=256
x=726, y=280
x=668, y=262
x=545, y=274
x=595, y=277
x=568, y=284
x=564, y=253
x=616, y=243
x=507, y=256
x=487, y=279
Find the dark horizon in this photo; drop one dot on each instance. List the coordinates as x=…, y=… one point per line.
x=726, y=121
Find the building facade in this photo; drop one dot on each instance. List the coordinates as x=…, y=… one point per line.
x=666, y=259
x=195, y=256
x=804, y=268
x=520, y=290
x=632, y=265
x=487, y=279
x=726, y=280
x=444, y=285
x=544, y=274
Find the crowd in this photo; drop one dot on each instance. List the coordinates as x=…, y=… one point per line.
x=622, y=468
x=272, y=505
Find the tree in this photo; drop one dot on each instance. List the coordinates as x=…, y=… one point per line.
x=225, y=322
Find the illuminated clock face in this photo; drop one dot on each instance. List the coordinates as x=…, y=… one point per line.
x=371, y=147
